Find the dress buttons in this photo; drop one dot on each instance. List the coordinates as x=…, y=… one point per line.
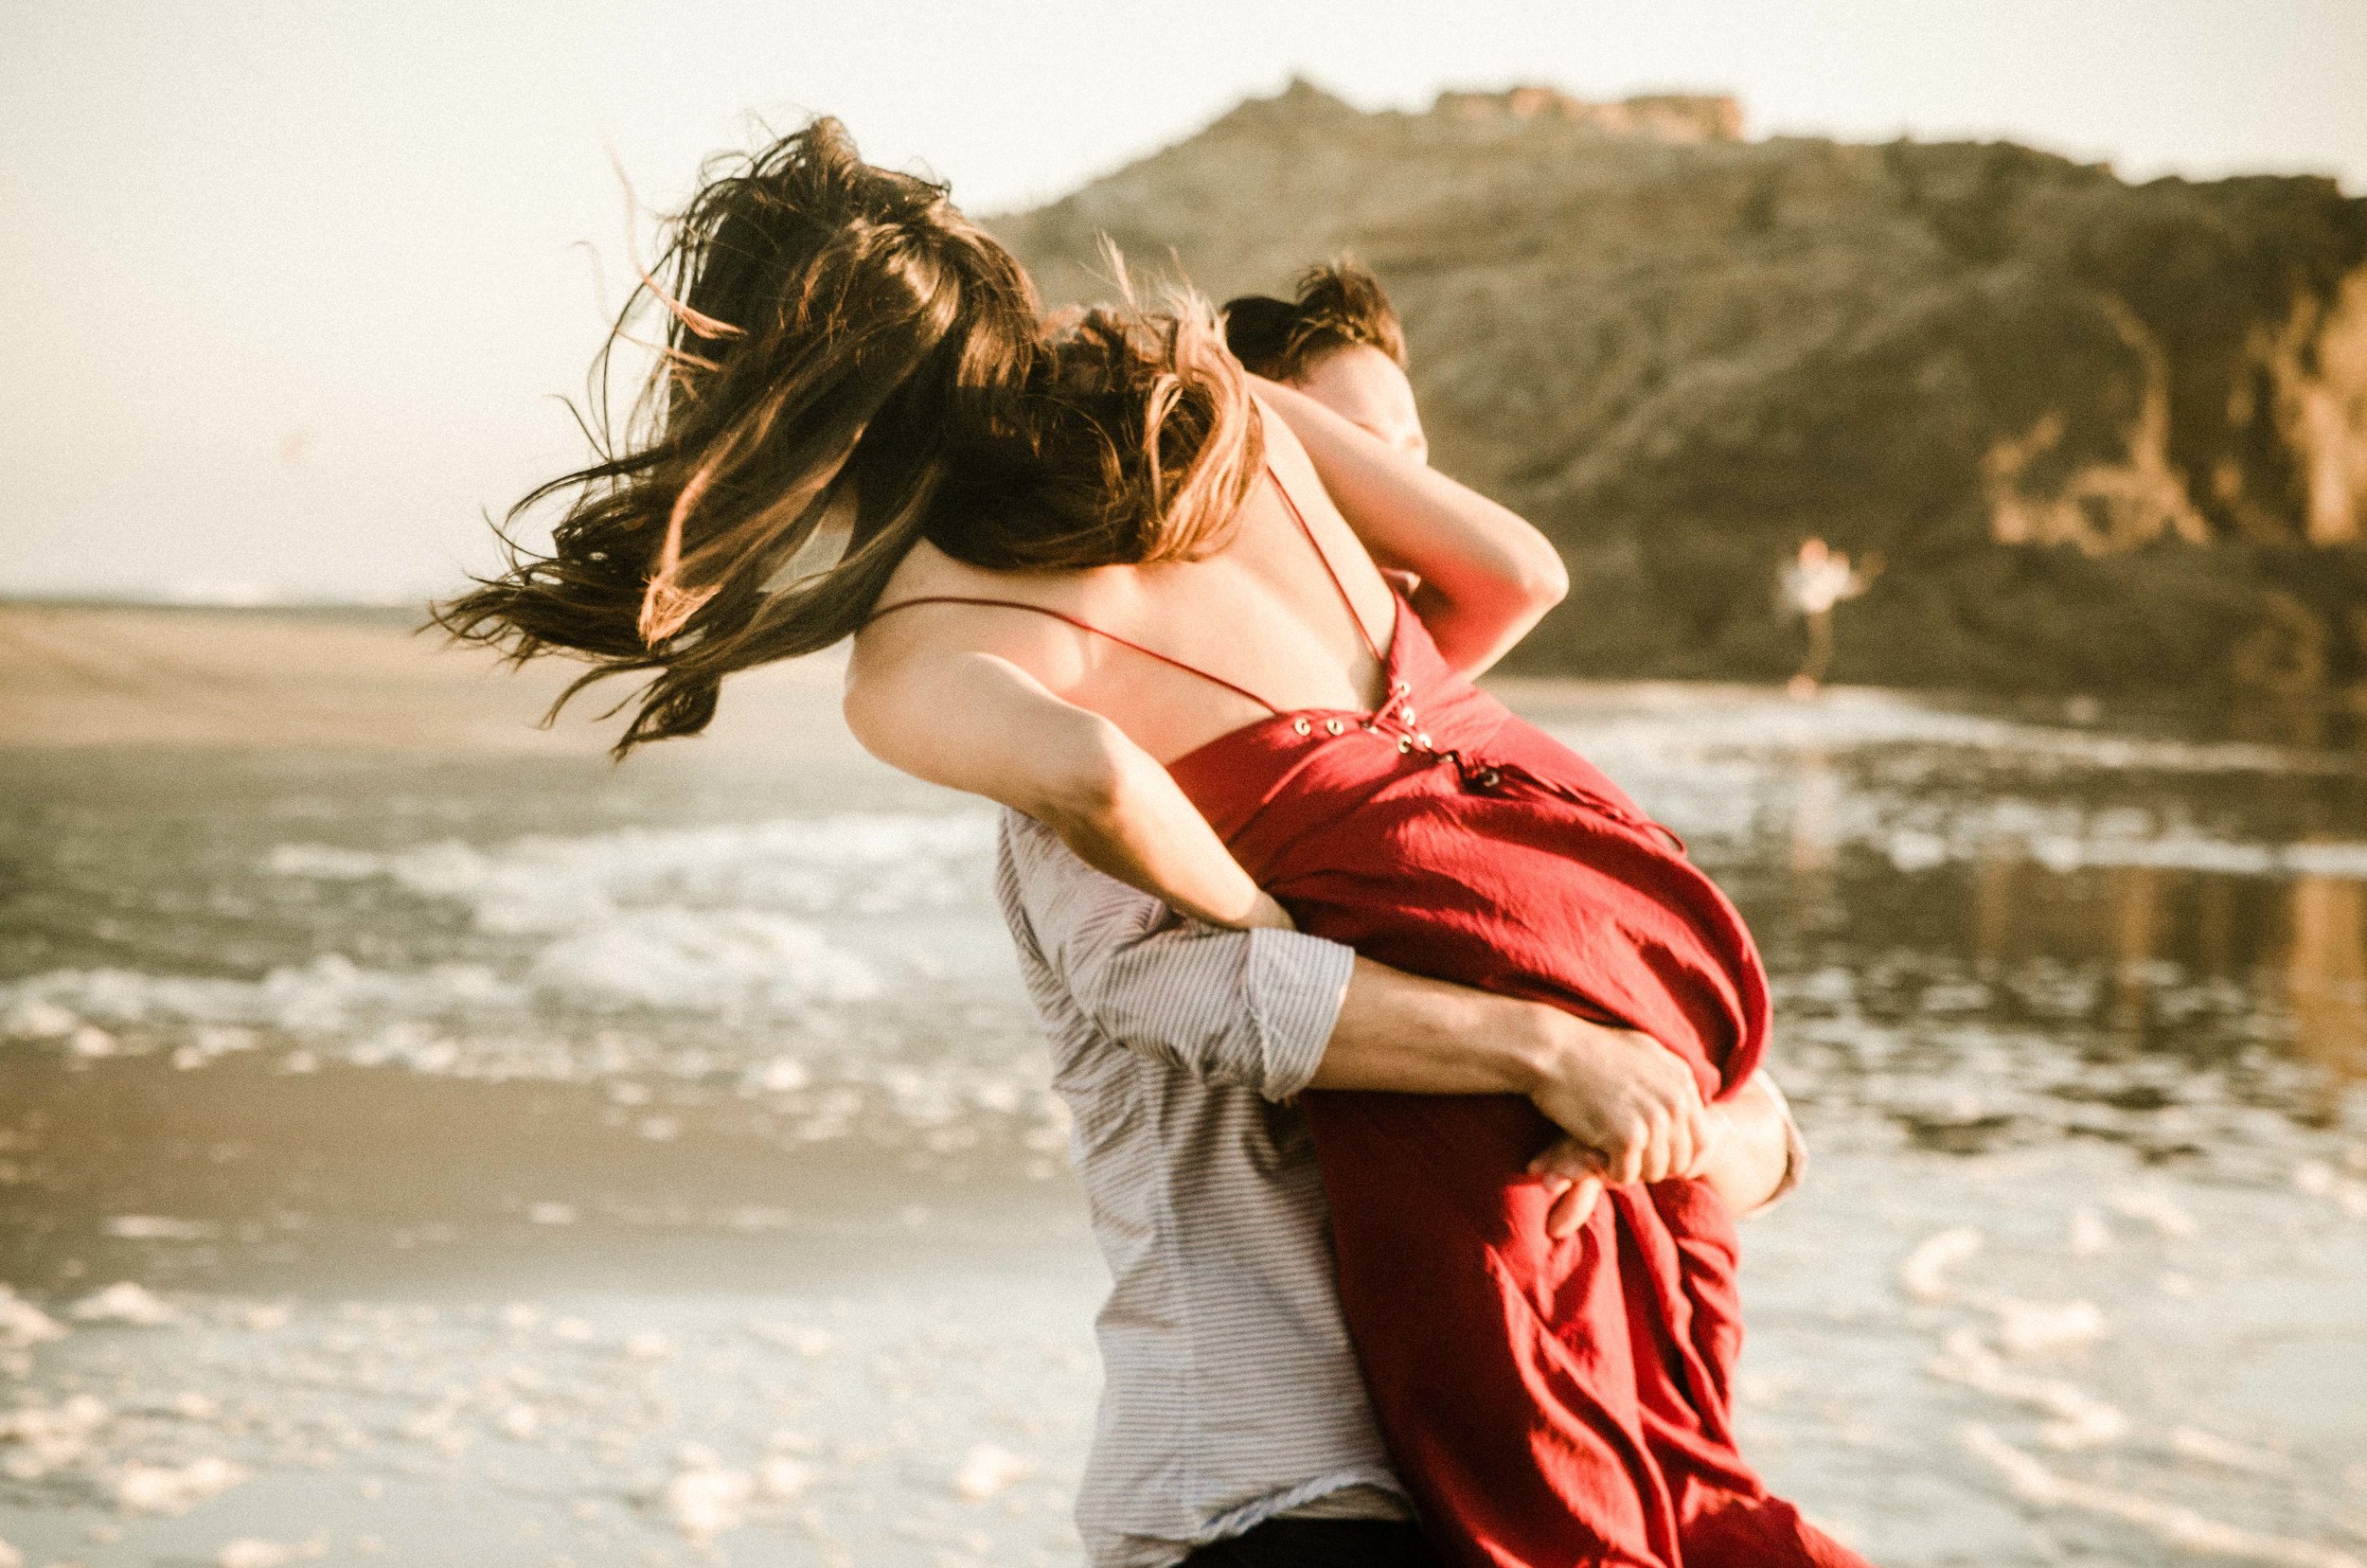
x=1333, y=726
x=1303, y=728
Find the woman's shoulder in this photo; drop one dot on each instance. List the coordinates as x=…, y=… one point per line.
x=927, y=570
x=935, y=606
x=925, y=574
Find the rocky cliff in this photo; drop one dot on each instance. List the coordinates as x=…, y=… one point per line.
x=2108, y=436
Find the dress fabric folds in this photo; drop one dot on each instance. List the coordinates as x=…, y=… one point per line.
x=1549, y=1404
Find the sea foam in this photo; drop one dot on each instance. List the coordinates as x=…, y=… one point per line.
x=853, y=863
x=1725, y=770
x=701, y=923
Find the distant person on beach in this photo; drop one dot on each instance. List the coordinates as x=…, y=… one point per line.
x=1812, y=582
x=1097, y=573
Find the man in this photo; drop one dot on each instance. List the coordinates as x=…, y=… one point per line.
x=1235, y=1431
x=1340, y=342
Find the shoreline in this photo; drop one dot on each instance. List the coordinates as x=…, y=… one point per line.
x=80, y=673
x=280, y=679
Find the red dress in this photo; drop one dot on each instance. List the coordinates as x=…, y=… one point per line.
x=1548, y=1404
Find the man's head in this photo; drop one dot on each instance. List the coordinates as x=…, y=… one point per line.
x=1340, y=343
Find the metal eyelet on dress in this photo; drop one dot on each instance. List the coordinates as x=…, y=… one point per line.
x=1404, y=687
x=1333, y=725
x=1406, y=714
x=1405, y=744
x=1489, y=778
x=1423, y=739
x=1303, y=727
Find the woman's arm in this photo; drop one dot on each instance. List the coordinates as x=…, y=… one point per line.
x=973, y=721
x=1486, y=576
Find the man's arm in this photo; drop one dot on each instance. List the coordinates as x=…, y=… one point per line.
x=1614, y=1091
x=1760, y=1155
x=1246, y=1008
x=1280, y=1011
x=1411, y=1035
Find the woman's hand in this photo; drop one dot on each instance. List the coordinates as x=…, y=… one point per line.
x=1569, y=1173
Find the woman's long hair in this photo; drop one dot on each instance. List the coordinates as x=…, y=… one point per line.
x=850, y=365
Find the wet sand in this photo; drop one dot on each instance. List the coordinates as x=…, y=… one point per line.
x=367, y=681
x=423, y=1141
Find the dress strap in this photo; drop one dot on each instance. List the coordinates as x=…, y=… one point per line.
x=1300, y=518
x=1082, y=626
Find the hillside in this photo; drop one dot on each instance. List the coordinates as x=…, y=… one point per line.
x=2109, y=437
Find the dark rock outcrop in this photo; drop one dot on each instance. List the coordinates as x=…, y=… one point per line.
x=2108, y=436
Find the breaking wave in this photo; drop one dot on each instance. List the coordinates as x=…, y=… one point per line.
x=735, y=925
x=860, y=863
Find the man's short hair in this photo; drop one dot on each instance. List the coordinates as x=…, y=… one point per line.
x=1340, y=305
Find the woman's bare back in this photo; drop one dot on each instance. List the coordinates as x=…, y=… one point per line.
x=1261, y=613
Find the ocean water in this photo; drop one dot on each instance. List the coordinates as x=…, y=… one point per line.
x=457, y=1157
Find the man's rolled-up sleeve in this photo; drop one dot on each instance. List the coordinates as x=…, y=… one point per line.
x=1249, y=1009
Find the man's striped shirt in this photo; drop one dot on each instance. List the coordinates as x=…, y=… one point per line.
x=1230, y=1395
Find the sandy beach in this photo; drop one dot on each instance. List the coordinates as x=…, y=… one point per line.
x=376, y=680
x=424, y=1141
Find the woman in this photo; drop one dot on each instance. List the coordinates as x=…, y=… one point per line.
x=1092, y=575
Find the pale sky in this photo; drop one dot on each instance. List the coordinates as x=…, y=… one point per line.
x=290, y=289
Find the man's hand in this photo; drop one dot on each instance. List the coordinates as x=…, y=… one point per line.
x=1626, y=1097
x=1629, y=1104
x=1569, y=1171
x=1746, y=1165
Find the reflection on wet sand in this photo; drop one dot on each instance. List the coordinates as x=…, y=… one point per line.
x=1815, y=837
x=2307, y=938
x=2326, y=973
x=1994, y=912
x=2136, y=914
